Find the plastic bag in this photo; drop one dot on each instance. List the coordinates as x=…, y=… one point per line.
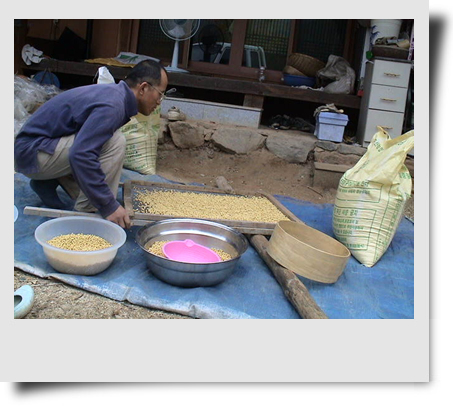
x=371, y=197
x=340, y=72
x=133, y=59
x=28, y=96
x=104, y=75
x=29, y=93
x=20, y=116
x=31, y=55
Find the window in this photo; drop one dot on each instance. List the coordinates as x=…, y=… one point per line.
x=238, y=48
x=212, y=42
x=320, y=38
x=269, y=39
x=153, y=42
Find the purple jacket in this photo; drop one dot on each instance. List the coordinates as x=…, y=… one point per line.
x=93, y=113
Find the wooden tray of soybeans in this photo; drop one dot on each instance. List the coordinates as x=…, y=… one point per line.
x=256, y=213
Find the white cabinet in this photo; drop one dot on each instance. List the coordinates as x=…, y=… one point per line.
x=391, y=122
x=391, y=72
x=384, y=98
x=388, y=98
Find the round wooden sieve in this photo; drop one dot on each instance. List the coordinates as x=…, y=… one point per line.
x=308, y=252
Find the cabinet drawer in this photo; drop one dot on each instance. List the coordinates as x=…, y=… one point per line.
x=391, y=73
x=391, y=122
x=387, y=98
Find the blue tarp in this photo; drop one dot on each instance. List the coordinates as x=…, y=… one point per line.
x=384, y=291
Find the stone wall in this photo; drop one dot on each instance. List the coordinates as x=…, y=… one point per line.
x=290, y=145
x=327, y=159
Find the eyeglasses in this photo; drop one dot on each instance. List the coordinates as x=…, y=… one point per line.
x=163, y=95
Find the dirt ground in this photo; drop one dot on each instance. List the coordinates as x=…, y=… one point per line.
x=260, y=171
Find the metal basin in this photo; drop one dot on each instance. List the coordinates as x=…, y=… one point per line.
x=209, y=234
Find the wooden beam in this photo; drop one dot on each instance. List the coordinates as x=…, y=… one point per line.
x=20, y=39
x=292, y=38
x=58, y=213
x=75, y=68
x=134, y=36
x=237, y=42
x=293, y=288
x=348, y=49
x=242, y=72
x=263, y=89
x=332, y=167
x=246, y=87
x=124, y=35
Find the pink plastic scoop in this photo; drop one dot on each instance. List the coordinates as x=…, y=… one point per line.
x=188, y=251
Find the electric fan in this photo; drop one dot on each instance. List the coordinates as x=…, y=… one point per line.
x=210, y=40
x=178, y=30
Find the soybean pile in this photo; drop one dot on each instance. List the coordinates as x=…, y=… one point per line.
x=79, y=242
x=206, y=205
x=156, y=249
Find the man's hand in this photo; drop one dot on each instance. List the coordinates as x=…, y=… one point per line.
x=120, y=217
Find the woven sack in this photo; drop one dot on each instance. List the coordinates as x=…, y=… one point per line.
x=141, y=134
x=371, y=197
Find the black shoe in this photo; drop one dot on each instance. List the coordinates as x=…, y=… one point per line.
x=275, y=122
x=286, y=122
x=47, y=191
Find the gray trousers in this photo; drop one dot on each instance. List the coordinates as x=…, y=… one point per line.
x=56, y=166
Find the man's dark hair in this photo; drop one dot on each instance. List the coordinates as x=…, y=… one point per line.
x=145, y=71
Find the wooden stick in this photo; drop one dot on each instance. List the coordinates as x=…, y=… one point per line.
x=58, y=213
x=314, y=190
x=294, y=289
x=55, y=213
